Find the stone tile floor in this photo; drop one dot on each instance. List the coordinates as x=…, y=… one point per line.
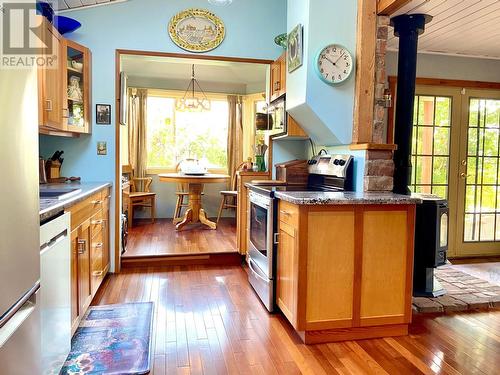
x=464, y=292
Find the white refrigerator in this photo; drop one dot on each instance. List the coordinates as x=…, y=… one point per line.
x=19, y=224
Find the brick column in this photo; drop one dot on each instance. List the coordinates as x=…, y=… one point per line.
x=379, y=166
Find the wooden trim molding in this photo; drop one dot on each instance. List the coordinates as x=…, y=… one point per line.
x=373, y=146
x=118, y=170
x=451, y=83
x=192, y=56
x=365, y=71
x=388, y=7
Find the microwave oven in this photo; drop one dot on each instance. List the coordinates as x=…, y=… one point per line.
x=277, y=116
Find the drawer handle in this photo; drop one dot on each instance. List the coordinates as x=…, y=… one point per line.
x=97, y=222
x=48, y=103
x=82, y=244
x=98, y=245
x=97, y=202
x=285, y=213
x=97, y=273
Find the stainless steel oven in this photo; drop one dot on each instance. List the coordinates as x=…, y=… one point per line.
x=261, y=246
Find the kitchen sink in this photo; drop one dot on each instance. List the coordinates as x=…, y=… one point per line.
x=58, y=193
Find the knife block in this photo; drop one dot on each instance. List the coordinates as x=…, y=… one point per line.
x=53, y=168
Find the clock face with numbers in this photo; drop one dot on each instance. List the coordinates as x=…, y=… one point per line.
x=334, y=64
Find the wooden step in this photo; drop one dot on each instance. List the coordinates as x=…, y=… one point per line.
x=230, y=258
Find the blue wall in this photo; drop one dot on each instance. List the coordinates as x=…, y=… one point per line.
x=324, y=111
x=142, y=25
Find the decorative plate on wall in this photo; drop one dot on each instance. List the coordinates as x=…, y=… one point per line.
x=196, y=30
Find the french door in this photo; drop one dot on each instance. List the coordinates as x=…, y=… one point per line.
x=456, y=155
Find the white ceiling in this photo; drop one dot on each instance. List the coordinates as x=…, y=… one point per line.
x=61, y=5
x=459, y=27
x=209, y=73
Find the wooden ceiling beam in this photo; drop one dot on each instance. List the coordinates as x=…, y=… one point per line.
x=388, y=7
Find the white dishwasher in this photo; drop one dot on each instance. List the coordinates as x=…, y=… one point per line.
x=55, y=292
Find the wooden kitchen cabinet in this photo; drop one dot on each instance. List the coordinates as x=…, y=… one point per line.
x=287, y=262
x=84, y=286
x=61, y=112
x=278, y=77
x=77, y=72
x=90, y=251
x=341, y=275
x=51, y=109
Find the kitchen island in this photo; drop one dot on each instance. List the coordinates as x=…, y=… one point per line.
x=344, y=264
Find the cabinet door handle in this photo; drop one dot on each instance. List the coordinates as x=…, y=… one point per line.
x=278, y=85
x=98, y=222
x=98, y=245
x=82, y=244
x=97, y=273
x=48, y=103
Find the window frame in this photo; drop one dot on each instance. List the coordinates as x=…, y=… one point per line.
x=176, y=94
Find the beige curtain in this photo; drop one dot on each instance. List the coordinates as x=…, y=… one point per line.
x=137, y=130
x=234, y=135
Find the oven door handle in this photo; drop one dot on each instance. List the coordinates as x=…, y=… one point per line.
x=255, y=272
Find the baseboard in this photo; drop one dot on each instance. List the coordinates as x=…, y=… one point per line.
x=355, y=333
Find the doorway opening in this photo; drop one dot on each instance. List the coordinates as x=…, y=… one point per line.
x=174, y=138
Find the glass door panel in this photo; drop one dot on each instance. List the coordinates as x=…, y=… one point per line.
x=479, y=187
x=481, y=177
x=431, y=145
x=75, y=88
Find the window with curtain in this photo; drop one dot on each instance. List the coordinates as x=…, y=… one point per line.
x=176, y=135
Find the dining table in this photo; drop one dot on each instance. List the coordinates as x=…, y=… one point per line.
x=195, y=212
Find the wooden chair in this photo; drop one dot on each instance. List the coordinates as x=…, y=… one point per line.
x=229, y=197
x=141, y=196
x=181, y=193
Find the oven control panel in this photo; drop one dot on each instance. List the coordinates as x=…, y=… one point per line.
x=330, y=165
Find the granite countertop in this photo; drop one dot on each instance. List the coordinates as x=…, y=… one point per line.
x=347, y=197
x=52, y=206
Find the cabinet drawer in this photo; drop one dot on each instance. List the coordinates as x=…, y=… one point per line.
x=80, y=212
x=97, y=224
x=105, y=194
x=96, y=263
x=288, y=213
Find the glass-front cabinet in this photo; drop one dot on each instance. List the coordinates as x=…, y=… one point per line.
x=64, y=87
x=76, y=83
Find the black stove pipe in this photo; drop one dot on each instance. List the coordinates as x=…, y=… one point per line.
x=407, y=27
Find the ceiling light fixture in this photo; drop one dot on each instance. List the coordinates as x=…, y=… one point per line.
x=189, y=101
x=220, y=3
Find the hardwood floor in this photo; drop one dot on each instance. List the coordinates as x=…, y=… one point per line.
x=161, y=238
x=209, y=321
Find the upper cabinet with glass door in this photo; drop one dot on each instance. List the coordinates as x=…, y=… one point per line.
x=64, y=87
x=76, y=81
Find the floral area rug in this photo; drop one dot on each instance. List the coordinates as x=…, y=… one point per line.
x=112, y=339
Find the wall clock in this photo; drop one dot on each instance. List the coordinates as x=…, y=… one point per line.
x=334, y=64
x=196, y=30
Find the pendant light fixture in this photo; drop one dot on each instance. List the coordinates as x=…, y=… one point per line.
x=220, y=3
x=190, y=102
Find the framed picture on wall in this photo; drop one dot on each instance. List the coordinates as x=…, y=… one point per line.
x=103, y=114
x=295, y=50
